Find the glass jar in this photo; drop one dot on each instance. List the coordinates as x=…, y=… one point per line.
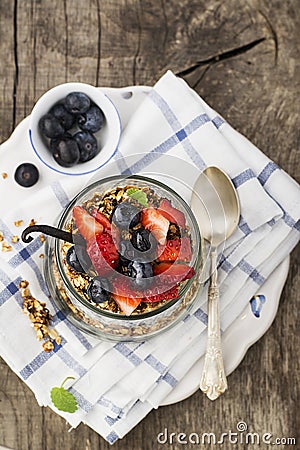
x=107, y=324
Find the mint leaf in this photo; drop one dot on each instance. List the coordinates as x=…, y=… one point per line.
x=138, y=195
x=62, y=399
x=131, y=191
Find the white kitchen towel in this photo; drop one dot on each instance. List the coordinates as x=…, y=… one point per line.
x=172, y=136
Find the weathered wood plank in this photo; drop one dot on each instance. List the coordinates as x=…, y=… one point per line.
x=8, y=73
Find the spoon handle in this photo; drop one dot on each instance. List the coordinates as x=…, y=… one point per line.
x=213, y=381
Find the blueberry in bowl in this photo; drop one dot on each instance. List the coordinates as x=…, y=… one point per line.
x=65, y=150
x=124, y=276
x=92, y=120
x=77, y=103
x=87, y=145
x=74, y=129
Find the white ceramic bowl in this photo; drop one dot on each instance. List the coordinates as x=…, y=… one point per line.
x=108, y=137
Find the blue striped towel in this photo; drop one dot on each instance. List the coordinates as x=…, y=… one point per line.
x=172, y=136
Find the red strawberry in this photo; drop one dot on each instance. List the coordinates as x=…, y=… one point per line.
x=172, y=214
x=127, y=304
x=176, y=250
x=88, y=227
x=101, y=219
x=103, y=253
x=124, y=296
x=159, y=295
x=170, y=273
x=108, y=226
x=155, y=222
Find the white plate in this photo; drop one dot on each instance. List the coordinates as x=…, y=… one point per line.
x=246, y=330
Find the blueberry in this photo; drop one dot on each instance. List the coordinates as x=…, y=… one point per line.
x=26, y=175
x=98, y=290
x=141, y=272
x=142, y=240
x=127, y=253
x=87, y=144
x=50, y=126
x=77, y=102
x=78, y=259
x=65, y=151
x=65, y=118
x=126, y=215
x=92, y=120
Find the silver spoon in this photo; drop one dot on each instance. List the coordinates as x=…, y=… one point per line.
x=216, y=207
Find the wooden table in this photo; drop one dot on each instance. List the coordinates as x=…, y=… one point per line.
x=243, y=58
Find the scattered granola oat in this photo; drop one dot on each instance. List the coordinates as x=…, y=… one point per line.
x=25, y=293
x=42, y=256
x=40, y=317
x=1, y=236
x=32, y=222
x=42, y=238
x=15, y=239
x=4, y=175
x=6, y=247
x=18, y=223
x=23, y=284
x=48, y=346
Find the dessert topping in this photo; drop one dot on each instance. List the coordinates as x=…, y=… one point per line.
x=138, y=195
x=158, y=294
x=98, y=290
x=126, y=298
x=103, y=253
x=172, y=214
x=155, y=222
x=176, y=250
x=170, y=273
x=87, y=226
x=126, y=215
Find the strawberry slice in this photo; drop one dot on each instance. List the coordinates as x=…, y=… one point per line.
x=127, y=304
x=125, y=297
x=107, y=225
x=176, y=250
x=88, y=227
x=155, y=222
x=103, y=253
x=172, y=214
x=170, y=273
x=159, y=296
x=101, y=219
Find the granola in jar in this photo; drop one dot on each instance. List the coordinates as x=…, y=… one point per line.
x=125, y=259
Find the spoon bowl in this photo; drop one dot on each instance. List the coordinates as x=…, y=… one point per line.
x=216, y=207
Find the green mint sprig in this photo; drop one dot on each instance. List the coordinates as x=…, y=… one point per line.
x=138, y=195
x=62, y=399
